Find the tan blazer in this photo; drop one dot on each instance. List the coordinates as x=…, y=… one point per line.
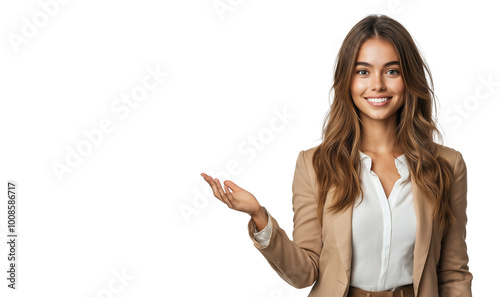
x=322, y=256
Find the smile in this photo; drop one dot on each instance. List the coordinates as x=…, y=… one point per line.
x=378, y=101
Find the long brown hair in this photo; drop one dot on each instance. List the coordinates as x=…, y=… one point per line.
x=336, y=160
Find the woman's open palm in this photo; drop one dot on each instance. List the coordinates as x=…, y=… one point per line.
x=237, y=199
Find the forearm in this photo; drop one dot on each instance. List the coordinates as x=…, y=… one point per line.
x=260, y=219
x=297, y=266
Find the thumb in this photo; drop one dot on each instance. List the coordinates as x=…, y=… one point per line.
x=232, y=186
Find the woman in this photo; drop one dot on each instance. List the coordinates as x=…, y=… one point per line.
x=379, y=207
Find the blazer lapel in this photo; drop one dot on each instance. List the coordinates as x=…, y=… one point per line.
x=342, y=226
x=423, y=212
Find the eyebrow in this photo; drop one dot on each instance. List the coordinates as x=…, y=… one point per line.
x=370, y=65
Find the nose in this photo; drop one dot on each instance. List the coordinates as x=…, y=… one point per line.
x=377, y=82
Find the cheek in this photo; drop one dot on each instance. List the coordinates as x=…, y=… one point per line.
x=398, y=86
x=357, y=87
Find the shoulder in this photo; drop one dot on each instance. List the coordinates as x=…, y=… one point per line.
x=452, y=156
x=304, y=163
x=306, y=155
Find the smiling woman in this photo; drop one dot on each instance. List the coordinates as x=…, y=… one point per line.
x=379, y=207
x=377, y=83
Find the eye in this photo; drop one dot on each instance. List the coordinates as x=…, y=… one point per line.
x=396, y=71
x=361, y=71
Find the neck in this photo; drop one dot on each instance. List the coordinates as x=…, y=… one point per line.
x=379, y=136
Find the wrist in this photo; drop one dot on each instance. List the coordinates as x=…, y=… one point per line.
x=260, y=219
x=259, y=213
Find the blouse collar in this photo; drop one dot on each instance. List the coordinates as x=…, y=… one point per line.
x=400, y=162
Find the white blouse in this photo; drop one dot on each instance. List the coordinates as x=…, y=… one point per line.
x=383, y=231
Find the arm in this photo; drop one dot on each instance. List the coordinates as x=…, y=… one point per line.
x=263, y=235
x=297, y=261
x=454, y=278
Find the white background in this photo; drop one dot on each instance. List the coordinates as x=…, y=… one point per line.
x=230, y=73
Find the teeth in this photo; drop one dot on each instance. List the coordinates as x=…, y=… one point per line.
x=377, y=100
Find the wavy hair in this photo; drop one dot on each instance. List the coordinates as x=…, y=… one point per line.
x=336, y=160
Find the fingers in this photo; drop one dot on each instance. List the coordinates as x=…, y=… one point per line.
x=229, y=195
x=213, y=185
x=218, y=191
x=233, y=186
x=223, y=194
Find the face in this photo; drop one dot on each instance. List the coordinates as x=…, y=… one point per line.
x=377, y=75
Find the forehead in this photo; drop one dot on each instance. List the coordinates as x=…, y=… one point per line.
x=377, y=52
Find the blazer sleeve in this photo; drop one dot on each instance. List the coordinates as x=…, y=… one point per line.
x=296, y=261
x=454, y=278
